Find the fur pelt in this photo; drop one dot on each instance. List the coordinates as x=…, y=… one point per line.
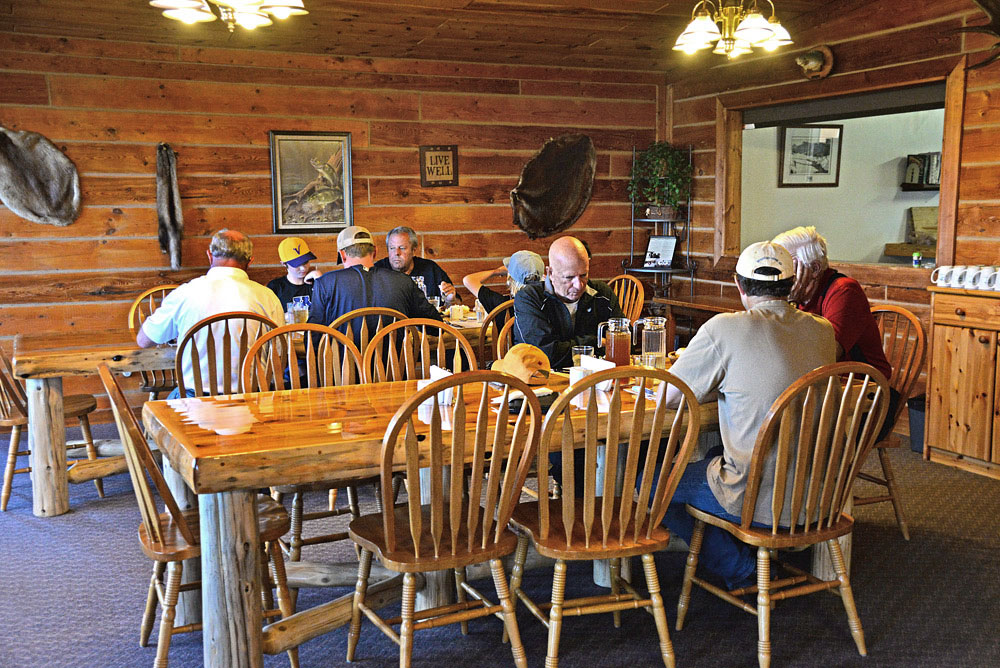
x=555, y=186
x=37, y=181
x=170, y=220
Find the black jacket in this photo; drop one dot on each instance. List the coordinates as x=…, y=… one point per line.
x=544, y=321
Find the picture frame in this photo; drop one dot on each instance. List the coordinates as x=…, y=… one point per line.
x=438, y=166
x=809, y=155
x=311, y=181
x=660, y=252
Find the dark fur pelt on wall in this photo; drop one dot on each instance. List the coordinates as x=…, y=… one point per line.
x=170, y=220
x=37, y=181
x=555, y=186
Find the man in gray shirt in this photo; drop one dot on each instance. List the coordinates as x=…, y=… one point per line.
x=749, y=359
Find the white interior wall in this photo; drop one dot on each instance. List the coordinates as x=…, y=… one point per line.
x=867, y=210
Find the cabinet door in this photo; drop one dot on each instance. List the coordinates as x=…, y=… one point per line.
x=961, y=392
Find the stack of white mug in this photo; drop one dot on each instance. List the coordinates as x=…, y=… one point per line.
x=966, y=277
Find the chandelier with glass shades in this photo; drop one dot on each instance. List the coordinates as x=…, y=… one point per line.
x=734, y=27
x=247, y=14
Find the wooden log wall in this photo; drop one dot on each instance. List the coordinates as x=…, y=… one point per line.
x=107, y=105
x=875, y=45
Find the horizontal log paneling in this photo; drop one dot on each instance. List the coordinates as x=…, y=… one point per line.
x=107, y=104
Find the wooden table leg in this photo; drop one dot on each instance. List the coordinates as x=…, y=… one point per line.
x=671, y=328
x=439, y=586
x=47, y=442
x=188, y=609
x=230, y=590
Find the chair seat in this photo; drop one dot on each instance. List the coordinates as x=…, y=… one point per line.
x=763, y=536
x=368, y=532
x=273, y=522
x=76, y=405
x=525, y=517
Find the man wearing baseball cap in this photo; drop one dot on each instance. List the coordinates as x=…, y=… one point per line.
x=521, y=268
x=300, y=274
x=748, y=358
x=361, y=284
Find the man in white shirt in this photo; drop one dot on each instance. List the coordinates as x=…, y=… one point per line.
x=226, y=287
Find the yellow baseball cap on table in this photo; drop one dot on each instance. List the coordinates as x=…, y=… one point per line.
x=294, y=252
x=526, y=362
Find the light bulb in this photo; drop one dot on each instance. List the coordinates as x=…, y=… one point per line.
x=754, y=28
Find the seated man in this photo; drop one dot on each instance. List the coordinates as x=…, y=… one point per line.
x=300, y=274
x=820, y=290
x=520, y=268
x=749, y=359
x=361, y=283
x=226, y=287
x=401, y=242
x=564, y=310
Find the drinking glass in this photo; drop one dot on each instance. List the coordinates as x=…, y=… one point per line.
x=579, y=351
x=435, y=302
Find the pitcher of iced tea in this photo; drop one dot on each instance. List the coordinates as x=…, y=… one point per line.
x=617, y=335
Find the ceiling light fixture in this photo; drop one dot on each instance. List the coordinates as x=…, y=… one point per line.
x=248, y=14
x=733, y=26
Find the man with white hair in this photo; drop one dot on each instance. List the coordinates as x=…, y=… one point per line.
x=748, y=359
x=840, y=299
x=226, y=287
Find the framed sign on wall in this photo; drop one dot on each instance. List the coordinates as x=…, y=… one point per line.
x=439, y=166
x=311, y=181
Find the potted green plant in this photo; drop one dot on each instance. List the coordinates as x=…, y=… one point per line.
x=661, y=177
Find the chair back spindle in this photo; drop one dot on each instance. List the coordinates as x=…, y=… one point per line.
x=905, y=346
x=630, y=293
x=493, y=322
x=13, y=400
x=154, y=381
x=362, y=323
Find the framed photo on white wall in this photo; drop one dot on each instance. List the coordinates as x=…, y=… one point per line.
x=809, y=155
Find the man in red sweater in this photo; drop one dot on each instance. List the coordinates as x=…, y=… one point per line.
x=823, y=291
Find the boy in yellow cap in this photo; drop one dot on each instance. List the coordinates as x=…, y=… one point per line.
x=298, y=281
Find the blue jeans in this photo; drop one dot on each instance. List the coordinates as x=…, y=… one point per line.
x=176, y=393
x=722, y=554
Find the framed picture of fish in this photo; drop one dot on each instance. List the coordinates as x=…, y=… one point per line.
x=311, y=181
x=809, y=155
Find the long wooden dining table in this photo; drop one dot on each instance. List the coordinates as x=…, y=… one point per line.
x=42, y=360
x=294, y=436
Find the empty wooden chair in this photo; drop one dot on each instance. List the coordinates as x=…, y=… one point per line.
x=14, y=414
x=219, y=356
x=904, y=345
x=603, y=520
x=813, y=441
x=447, y=525
x=486, y=348
x=305, y=355
x=171, y=537
x=156, y=381
x=362, y=323
x=631, y=294
x=407, y=349
x=505, y=339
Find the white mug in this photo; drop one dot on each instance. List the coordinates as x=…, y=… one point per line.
x=957, y=278
x=971, y=279
x=942, y=275
x=988, y=278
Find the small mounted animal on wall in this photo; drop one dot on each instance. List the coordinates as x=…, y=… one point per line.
x=816, y=63
x=992, y=27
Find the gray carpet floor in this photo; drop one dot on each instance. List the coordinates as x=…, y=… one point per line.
x=72, y=589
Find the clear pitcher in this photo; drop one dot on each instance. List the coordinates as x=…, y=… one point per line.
x=618, y=343
x=654, y=339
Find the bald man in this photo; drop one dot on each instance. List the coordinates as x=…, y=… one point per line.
x=564, y=310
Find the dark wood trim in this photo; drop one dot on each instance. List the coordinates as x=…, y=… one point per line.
x=728, y=180
x=951, y=161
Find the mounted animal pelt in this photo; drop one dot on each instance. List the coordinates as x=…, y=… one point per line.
x=555, y=186
x=37, y=181
x=169, y=218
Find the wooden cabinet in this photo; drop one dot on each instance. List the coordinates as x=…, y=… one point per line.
x=963, y=402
